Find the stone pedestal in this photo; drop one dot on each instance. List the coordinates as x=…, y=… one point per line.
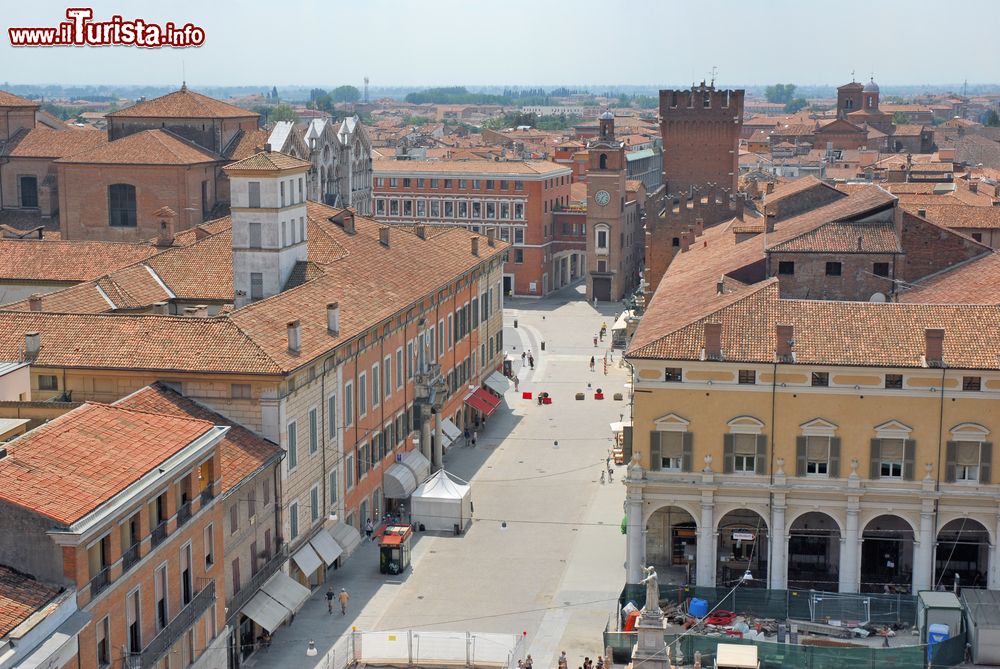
x=651, y=651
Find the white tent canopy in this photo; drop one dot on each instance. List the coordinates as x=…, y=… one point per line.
x=442, y=502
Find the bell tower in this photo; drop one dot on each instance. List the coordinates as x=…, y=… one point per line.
x=606, y=171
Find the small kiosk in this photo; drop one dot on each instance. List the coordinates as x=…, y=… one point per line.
x=394, y=549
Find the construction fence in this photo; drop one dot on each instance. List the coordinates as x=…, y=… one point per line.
x=882, y=609
x=435, y=648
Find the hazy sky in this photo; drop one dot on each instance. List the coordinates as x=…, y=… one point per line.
x=525, y=42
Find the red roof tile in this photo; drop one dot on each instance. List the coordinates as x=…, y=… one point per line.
x=71, y=465
x=46, y=143
x=149, y=147
x=21, y=596
x=48, y=260
x=182, y=104
x=11, y=100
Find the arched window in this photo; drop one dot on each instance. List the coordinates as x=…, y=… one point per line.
x=602, y=237
x=604, y=161
x=121, y=206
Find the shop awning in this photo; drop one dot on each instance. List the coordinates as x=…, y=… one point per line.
x=282, y=589
x=328, y=549
x=265, y=611
x=482, y=401
x=347, y=536
x=450, y=430
x=307, y=560
x=398, y=482
x=416, y=462
x=497, y=382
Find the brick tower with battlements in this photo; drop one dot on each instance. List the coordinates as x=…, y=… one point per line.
x=701, y=134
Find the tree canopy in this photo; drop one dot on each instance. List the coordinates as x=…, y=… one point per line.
x=782, y=93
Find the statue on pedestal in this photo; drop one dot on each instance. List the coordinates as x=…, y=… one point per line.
x=652, y=581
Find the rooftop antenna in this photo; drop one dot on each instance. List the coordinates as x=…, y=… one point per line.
x=852, y=76
x=715, y=70
x=366, y=90
x=965, y=89
x=184, y=84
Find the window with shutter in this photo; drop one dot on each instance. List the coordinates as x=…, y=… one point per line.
x=744, y=453
x=891, y=458
x=817, y=456
x=671, y=451
x=967, y=461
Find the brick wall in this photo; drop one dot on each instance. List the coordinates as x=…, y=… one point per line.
x=806, y=200
x=857, y=280
x=930, y=248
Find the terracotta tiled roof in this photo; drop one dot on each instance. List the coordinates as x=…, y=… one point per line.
x=21, y=596
x=247, y=144
x=974, y=282
x=268, y=161
x=182, y=104
x=149, y=147
x=844, y=237
x=71, y=465
x=907, y=130
x=11, y=100
x=633, y=185
x=831, y=332
x=956, y=197
x=863, y=201
x=470, y=167
x=46, y=143
x=149, y=342
x=45, y=260
x=242, y=451
x=959, y=216
x=800, y=185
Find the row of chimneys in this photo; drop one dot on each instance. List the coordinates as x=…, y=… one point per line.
x=785, y=341
x=691, y=233
x=295, y=327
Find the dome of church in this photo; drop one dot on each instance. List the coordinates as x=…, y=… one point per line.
x=871, y=86
x=607, y=115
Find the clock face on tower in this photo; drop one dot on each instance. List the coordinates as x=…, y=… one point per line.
x=602, y=197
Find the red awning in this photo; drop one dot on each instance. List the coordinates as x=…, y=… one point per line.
x=482, y=401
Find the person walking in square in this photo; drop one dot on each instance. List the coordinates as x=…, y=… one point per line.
x=329, y=599
x=369, y=528
x=344, y=598
x=591, y=363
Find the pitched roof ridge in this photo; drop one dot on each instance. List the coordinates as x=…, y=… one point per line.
x=184, y=140
x=116, y=407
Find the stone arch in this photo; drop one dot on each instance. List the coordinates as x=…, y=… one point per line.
x=761, y=509
x=670, y=542
x=868, y=516
x=652, y=506
x=813, y=561
x=888, y=552
x=945, y=517
x=790, y=519
x=743, y=545
x=962, y=553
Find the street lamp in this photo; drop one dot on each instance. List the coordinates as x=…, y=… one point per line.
x=311, y=650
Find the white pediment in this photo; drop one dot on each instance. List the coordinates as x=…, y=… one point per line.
x=745, y=425
x=671, y=423
x=818, y=427
x=967, y=431
x=893, y=429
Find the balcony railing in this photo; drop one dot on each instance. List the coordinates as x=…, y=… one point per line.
x=100, y=582
x=249, y=589
x=158, y=535
x=181, y=623
x=207, y=494
x=130, y=557
x=183, y=513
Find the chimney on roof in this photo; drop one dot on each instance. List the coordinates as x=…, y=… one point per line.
x=720, y=286
x=491, y=239
x=333, y=318
x=922, y=213
x=973, y=186
x=35, y=302
x=685, y=241
x=421, y=231
x=859, y=242
x=201, y=310
x=161, y=308
x=383, y=235
x=267, y=148
x=699, y=226
x=294, y=336
x=713, y=341
x=191, y=312
x=32, y=344
x=349, y=221
x=475, y=246
x=934, y=346
x=784, y=341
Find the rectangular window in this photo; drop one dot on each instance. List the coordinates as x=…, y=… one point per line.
x=293, y=520
x=379, y=207
x=255, y=240
x=160, y=595
x=282, y=185
x=387, y=380
x=967, y=461
x=314, y=503
x=348, y=404
x=744, y=453
x=894, y=381
x=672, y=374
x=833, y=268
x=334, y=487
x=671, y=451
x=394, y=207
x=786, y=267
x=235, y=572
x=240, y=391
x=447, y=183
x=133, y=622
x=399, y=368
x=349, y=471
x=406, y=182
x=380, y=182
x=104, y=642
x=393, y=182
x=254, y=193
x=463, y=209
x=256, y=286
x=313, y=430
x=518, y=235
x=362, y=395
x=880, y=269
x=376, y=385
x=421, y=208
x=449, y=209
x=48, y=382
x=331, y=416
x=748, y=376
x=363, y=461
x=293, y=449
x=435, y=208
x=518, y=256
x=817, y=456
x=434, y=183
x=251, y=504
x=234, y=518
x=409, y=359
x=518, y=185
x=407, y=207
x=420, y=183
x=972, y=383
x=476, y=184
x=891, y=458
x=821, y=379
x=489, y=184
x=210, y=545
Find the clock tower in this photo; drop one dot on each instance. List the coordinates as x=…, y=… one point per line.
x=606, y=214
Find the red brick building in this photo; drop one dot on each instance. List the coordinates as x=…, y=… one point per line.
x=701, y=133
x=515, y=200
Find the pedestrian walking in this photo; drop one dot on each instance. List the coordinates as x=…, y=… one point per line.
x=475, y=437
x=516, y=383
x=602, y=477
x=330, y=594
x=344, y=598
x=528, y=662
x=607, y=462
x=523, y=354
x=595, y=342
x=531, y=361
x=611, y=475
x=369, y=528
x=563, y=660
x=591, y=363
x=467, y=434
x=600, y=662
